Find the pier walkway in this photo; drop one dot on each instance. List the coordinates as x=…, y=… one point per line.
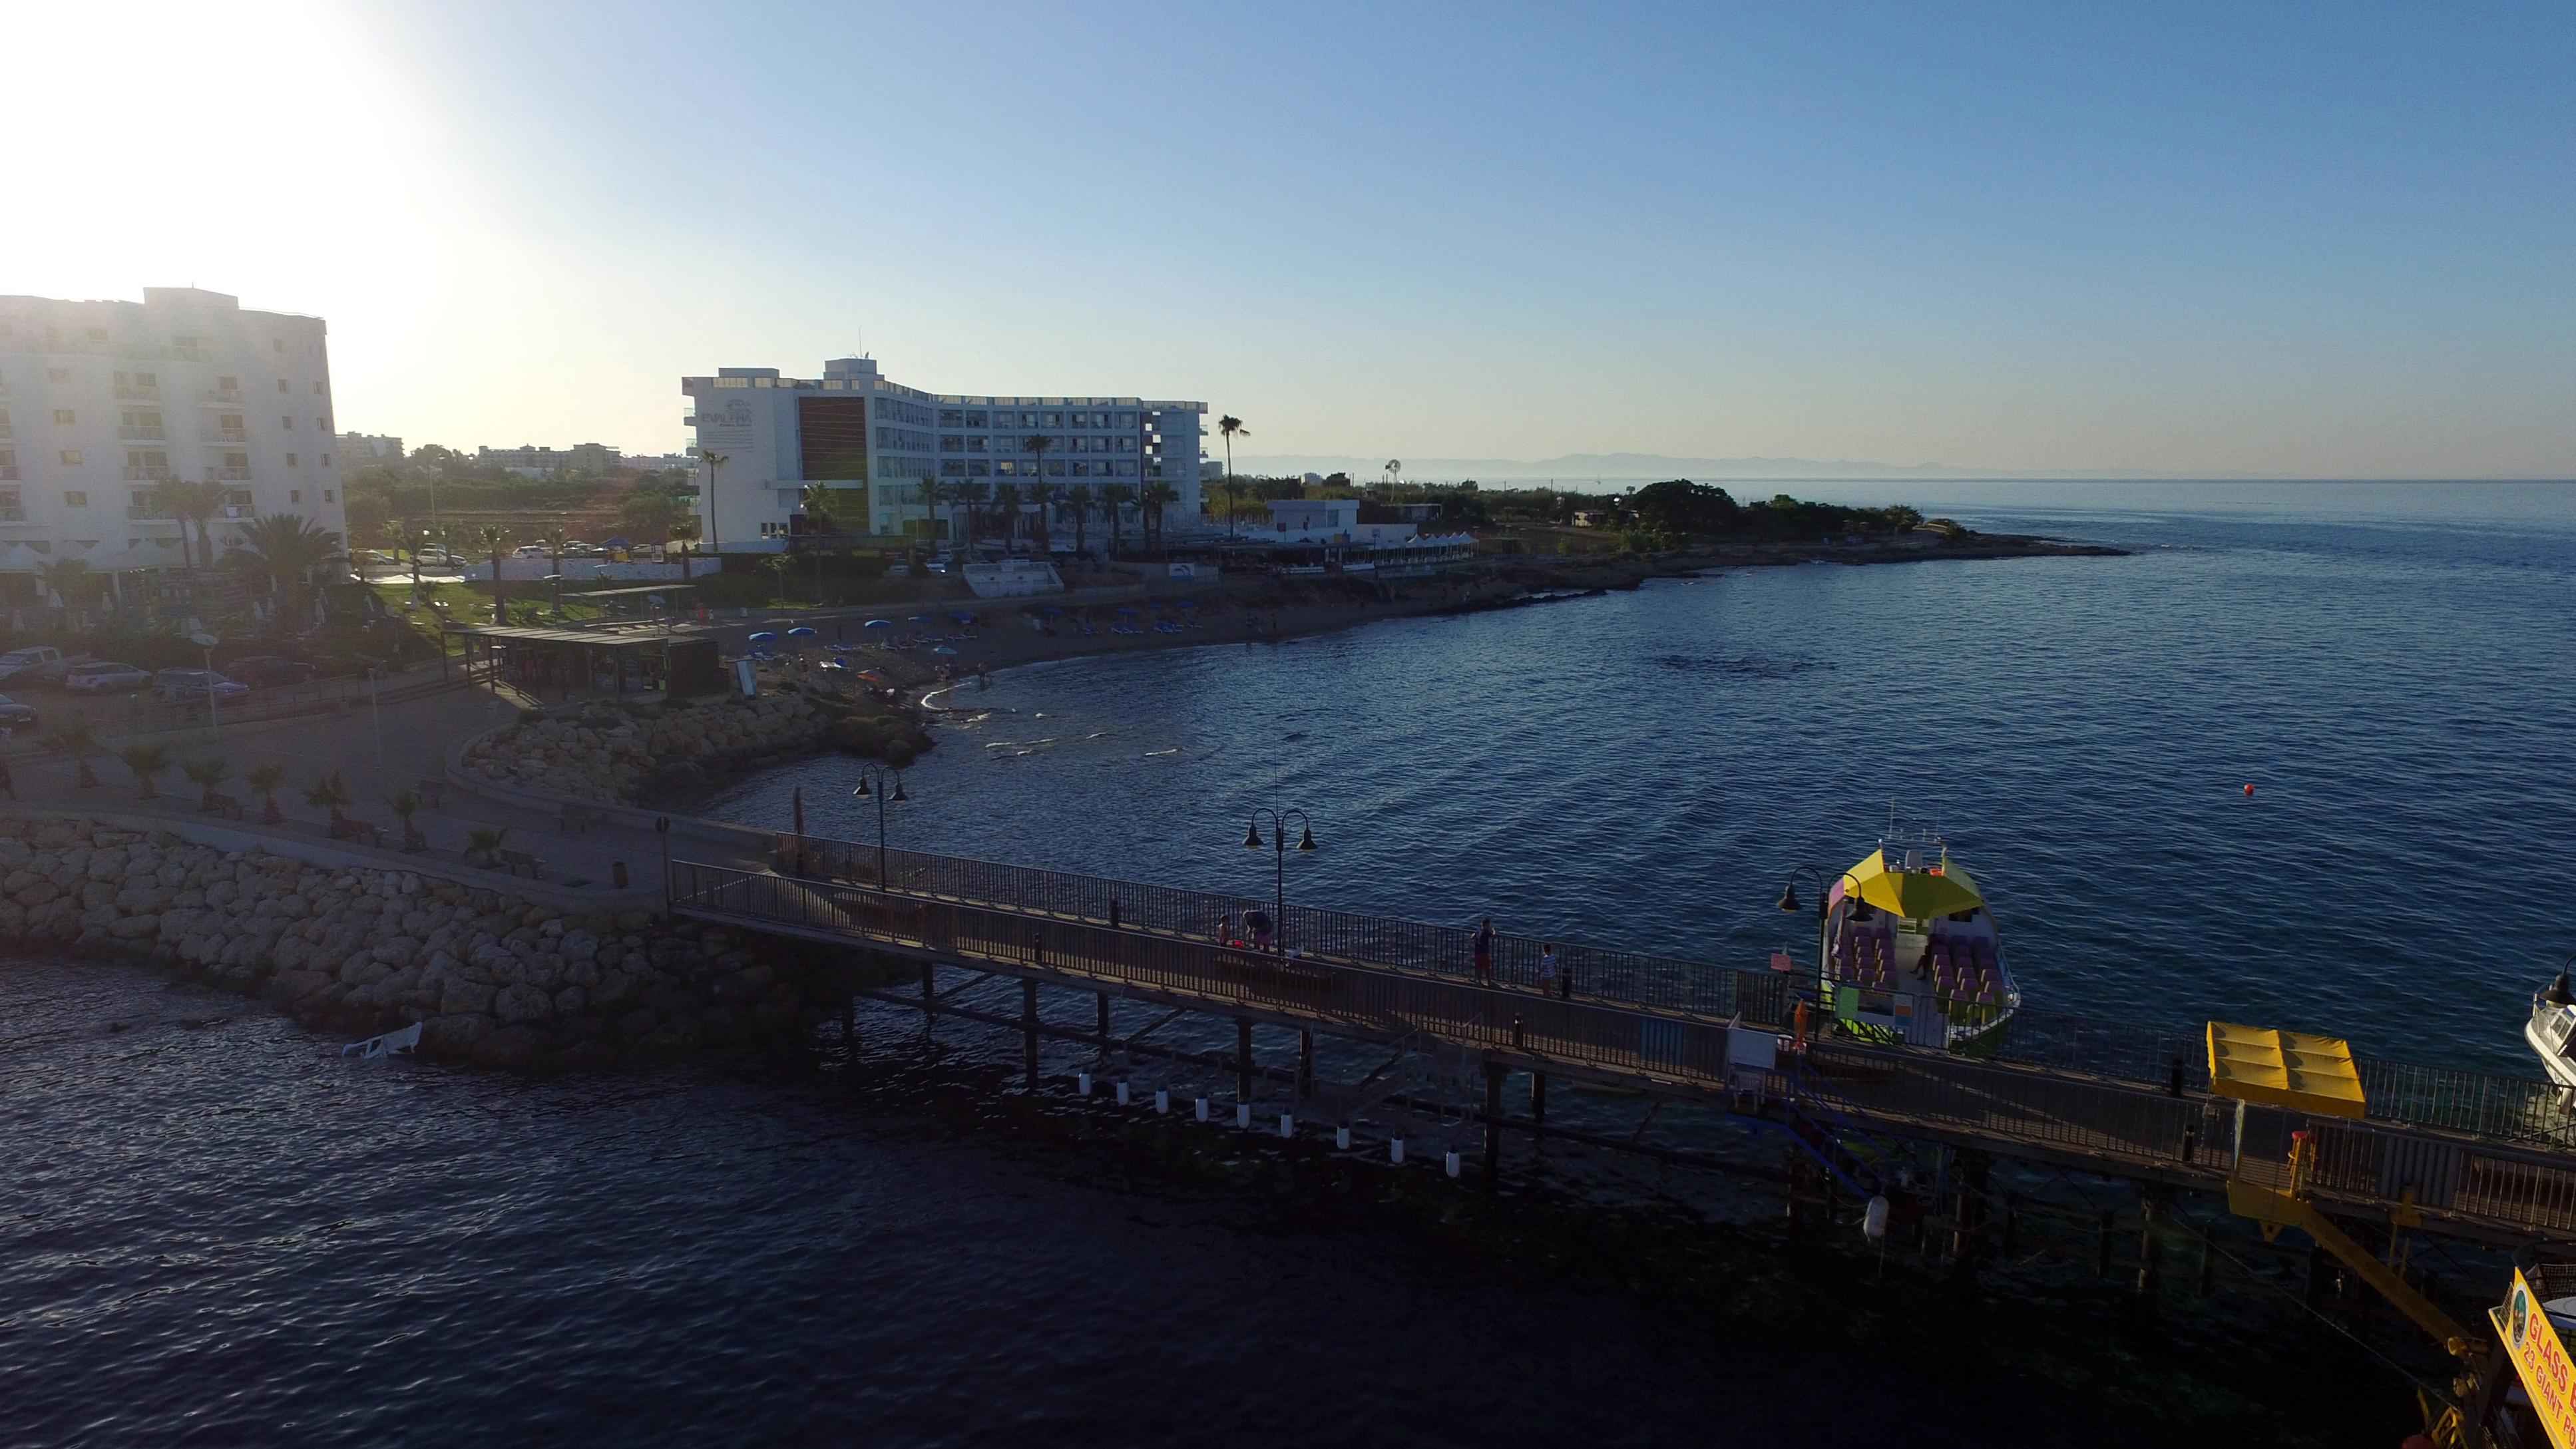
x=2482, y=1159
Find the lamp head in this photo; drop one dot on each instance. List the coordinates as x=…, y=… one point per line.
x=1789, y=898
x=1252, y=835
x=1308, y=843
x=899, y=796
x=862, y=791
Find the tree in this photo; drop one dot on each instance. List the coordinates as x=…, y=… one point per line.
x=265, y=779
x=1234, y=490
x=1006, y=506
x=70, y=580
x=934, y=493
x=1680, y=506
x=405, y=804
x=286, y=548
x=1157, y=497
x=715, y=462
x=495, y=537
x=1078, y=497
x=1231, y=426
x=485, y=843
x=194, y=505
x=683, y=529
x=554, y=538
x=816, y=500
x=779, y=564
x=331, y=792
x=969, y=494
x=145, y=761
x=208, y=774
x=1113, y=501
x=1037, y=445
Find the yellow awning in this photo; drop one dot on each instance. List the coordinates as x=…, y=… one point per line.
x=2284, y=1069
x=1915, y=894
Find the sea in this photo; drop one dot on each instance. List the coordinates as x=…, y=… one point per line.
x=213, y=1231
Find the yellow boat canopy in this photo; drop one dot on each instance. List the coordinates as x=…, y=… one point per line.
x=1915, y=894
x=2284, y=1069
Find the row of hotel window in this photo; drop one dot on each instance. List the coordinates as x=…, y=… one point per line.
x=976, y=443
x=98, y=337
x=148, y=384
x=140, y=500
x=149, y=420
x=1055, y=468
x=151, y=461
x=975, y=418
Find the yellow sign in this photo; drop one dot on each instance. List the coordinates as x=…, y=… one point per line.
x=2541, y=1357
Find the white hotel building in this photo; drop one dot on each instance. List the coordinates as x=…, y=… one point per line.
x=100, y=400
x=873, y=441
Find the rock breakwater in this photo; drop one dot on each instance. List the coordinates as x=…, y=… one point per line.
x=494, y=979
x=611, y=753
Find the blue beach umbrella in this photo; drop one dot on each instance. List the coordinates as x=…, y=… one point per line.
x=919, y=619
x=1189, y=603
x=764, y=637
x=878, y=624
x=961, y=618
x=800, y=632
x=943, y=649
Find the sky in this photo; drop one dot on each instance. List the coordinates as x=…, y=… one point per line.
x=2276, y=240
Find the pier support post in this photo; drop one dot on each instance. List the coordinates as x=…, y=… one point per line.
x=1104, y=1020
x=1029, y=1029
x=929, y=986
x=849, y=1039
x=2150, y=1271
x=1967, y=1217
x=1305, y=1065
x=1243, y=1059
x=1538, y=1104
x=2102, y=1249
x=1493, y=1123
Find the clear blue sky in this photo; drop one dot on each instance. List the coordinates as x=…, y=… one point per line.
x=2337, y=239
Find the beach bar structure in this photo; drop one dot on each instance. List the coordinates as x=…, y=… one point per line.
x=586, y=662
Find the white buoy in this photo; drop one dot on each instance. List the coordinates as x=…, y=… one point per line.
x=1202, y=1109
x=1395, y=1151
x=1082, y=1083
x=1163, y=1102
x=1122, y=1094
x=1287, y=1124
x=1873, y=1222
x=1243, y=1114
x=1342, y=1137
x=1453, y=1164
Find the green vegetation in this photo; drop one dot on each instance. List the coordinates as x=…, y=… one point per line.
x=265, y=779
x=145, y=761
x=1659, y=515
x=648, y=507
x=331, y=792
x=208, y=776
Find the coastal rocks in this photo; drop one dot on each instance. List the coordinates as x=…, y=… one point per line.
x=608, y=754
x=495, y=980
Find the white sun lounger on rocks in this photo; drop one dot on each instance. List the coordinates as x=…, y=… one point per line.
x=392, y=1044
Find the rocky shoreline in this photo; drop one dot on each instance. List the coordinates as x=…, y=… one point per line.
x=615, y=753
x=495, y=980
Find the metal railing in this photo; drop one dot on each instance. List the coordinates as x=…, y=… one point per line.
x=2477, y=1103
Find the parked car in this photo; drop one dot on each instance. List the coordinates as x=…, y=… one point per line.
x=15, y=715
x=179, y=684
x=29, y=663
x=101, y=676
x=269, y=671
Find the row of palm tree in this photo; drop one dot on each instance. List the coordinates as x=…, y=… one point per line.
x=1008, y=502
x=149, y=761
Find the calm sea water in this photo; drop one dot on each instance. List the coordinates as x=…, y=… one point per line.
x=2392, y=667
x=213, y=1232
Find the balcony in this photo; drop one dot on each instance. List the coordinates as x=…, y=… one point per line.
x=141, y=435
x=148, y=512
x=12, y=512
x=219, y=394
x=232, y=437
x=229, y=474
x=144, y=475
x=129, y=392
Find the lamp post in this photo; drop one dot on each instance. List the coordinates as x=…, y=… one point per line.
x=1789, y=893
x=876, y=775
x=214, y=722
x=1279, y=863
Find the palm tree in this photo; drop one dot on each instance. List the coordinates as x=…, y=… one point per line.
x=1233, y=500
x=933, y=493
x=192, y=504
x=70, y=579
x=554, y=538
x=145, y=761
x=495, y=537
x=1079, y=498
x=1006, y=506
x=330, y=792
x=969, y=494
x=209, y=776
x=1113, y=501
x=1037, y=445
x=485, y=843
x=265, y=779
x=816, y=500
x=779, y=564
x=79, y=741
x=683, y=529
x=287, y=548
x=1157, y=497
x=715, y=462
x=405, y=804
x=1231, y=426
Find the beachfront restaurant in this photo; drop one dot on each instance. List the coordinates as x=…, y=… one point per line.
x=583, y=662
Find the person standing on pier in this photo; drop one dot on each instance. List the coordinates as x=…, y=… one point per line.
x=1485, y=952
x=1552, y=975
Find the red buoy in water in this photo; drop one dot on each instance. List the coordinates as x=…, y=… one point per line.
x=2249, y=789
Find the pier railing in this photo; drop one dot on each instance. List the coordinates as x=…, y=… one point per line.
x=2480, y=1104
x=2084, y=1119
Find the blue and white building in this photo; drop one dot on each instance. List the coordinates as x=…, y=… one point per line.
x=872, y=442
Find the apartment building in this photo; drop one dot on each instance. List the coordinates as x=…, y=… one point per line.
x=531, y=461
x=873, y=442
x=101, y=400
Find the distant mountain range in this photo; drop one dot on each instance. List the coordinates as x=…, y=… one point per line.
x=1579, y=469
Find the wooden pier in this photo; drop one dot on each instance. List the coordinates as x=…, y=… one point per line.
x=2490, y=1160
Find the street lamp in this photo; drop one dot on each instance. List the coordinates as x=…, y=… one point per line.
x=1279, y=863
x=1789, y=893
x=214, y=722
x=877, y=775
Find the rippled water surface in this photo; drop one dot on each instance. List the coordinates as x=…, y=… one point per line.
x=2393, y=667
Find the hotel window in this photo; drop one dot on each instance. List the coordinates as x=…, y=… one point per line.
x=1055, y=467
x=281, y=385
x=278, y=342
x=98, y=334
x=1126, y=468
x=58, y=374
x=1126, y=444
x=65, y=417
x=952, y=417
x=70, y=456
x=952, y=467
x=974, y=420
x=322, y=425
x=9, y=470
x=75, y=500
x=286, y=422
x=317, y=389
x=293, y=495
x=975, y=444
x=228, y=384
x=1082, y=470
x=326, y=462
x=1126, y=420
x=290, y=462
x=977, y=468
x=951, y=443
x=330, y=495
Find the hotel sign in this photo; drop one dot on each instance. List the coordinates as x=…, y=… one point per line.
x=2540, y=1355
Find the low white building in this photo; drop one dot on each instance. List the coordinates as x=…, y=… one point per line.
x=1328, y=521
x=361, y=448
x=872, y=443
x=101, y=400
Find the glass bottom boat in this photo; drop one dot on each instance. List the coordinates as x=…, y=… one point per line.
x=1908, y=952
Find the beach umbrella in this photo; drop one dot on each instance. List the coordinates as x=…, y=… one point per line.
x=1189, y=603
x=800, y=632
x=943, y=649
x=919, y=619
x=764, y=637
x=1127, y=611
x=961, y=618
x=878, y=624
x=839, y=647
